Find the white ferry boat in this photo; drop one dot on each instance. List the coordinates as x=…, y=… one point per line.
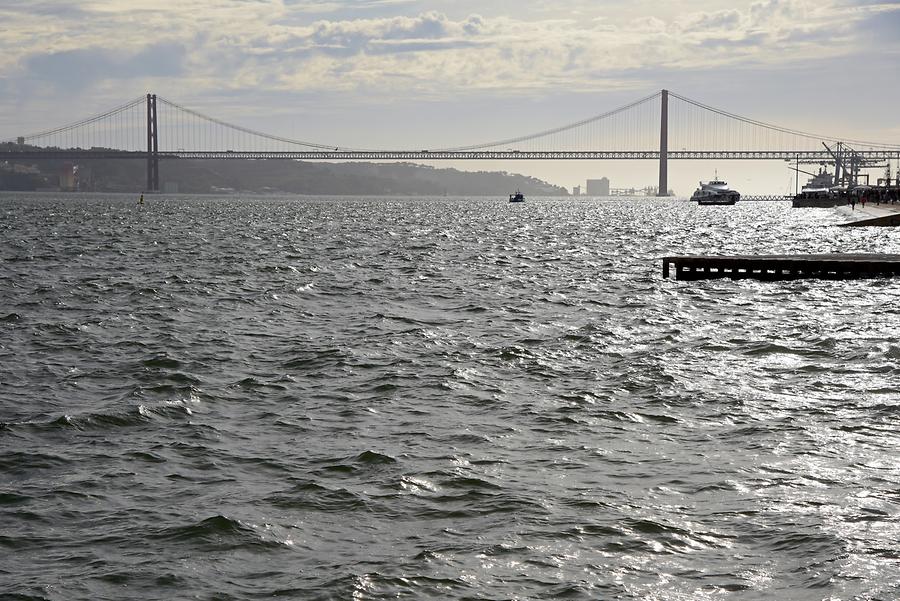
x=715, y=192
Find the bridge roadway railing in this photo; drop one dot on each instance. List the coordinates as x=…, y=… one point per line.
x=428, y=155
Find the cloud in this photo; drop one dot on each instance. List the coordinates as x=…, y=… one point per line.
x=76, y=69
x=427, y=32
x=729, y=20
x=881, y=23
x=286, y=45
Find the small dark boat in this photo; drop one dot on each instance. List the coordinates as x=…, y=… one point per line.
x=517, y=197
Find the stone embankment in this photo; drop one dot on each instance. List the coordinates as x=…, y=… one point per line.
x=884, y=215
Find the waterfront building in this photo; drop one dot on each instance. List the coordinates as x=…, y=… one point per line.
x=598, y=187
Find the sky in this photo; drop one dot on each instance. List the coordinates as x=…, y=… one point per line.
x=439, y=73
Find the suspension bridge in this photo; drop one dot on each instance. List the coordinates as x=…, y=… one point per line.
x=663, y=126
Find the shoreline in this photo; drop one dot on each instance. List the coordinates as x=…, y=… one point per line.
x=870, y=214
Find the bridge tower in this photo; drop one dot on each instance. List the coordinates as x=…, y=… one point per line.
x=152, y=146
x=663, y=189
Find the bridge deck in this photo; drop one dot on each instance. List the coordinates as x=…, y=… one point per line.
x=11, y=153
x=783, y=267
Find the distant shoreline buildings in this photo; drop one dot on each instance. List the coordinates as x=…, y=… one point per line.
x=601, y=187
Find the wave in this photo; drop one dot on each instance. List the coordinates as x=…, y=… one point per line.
x=219, y=533
x=310, y=495
x=130, y=416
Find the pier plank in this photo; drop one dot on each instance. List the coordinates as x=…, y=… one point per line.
x=834, y=266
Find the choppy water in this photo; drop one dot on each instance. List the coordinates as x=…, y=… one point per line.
x=439, y=399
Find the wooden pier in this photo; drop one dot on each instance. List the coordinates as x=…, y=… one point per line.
x=783, y=267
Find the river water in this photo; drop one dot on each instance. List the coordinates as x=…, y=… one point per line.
x=372, y=398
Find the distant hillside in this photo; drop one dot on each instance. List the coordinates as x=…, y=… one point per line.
x=296, y=177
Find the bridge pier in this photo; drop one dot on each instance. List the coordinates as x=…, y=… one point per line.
x=152, y=146
x=663, y=189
